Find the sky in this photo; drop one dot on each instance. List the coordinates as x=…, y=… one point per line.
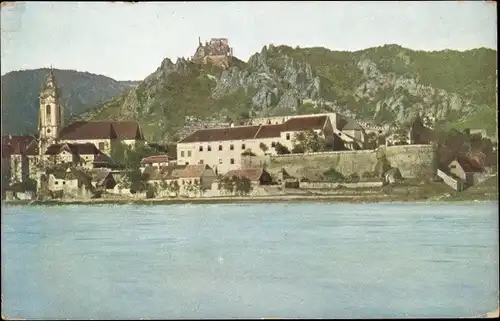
x=128, y=41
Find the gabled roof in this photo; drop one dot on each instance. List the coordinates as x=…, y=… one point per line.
x=468, y=165
x=155, y=159
x=256, y=131
x=193, y=171
x=75, y=149
x=253, y=174
x=351, y=124
x=20, y=144
x=221, y=134
x=304, y=123
x=98, y=175
x=101, y=130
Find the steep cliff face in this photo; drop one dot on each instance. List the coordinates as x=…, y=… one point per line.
x=387, y=84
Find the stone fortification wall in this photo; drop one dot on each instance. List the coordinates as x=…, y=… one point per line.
x=411, y=160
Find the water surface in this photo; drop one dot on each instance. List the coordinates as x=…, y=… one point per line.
x=250, y=261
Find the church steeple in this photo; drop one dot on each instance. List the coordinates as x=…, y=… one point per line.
x=50, y=115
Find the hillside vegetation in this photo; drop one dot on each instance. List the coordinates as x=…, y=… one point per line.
x=388, y=85
x=80, y=91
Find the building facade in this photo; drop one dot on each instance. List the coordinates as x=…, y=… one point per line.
x=222, y=148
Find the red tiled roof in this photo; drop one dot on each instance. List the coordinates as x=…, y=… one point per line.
x=193, y=171
x=304, y=123
x=101, y=130
x=77, y=149
x=21, y=144
x=469, y=165
x=253, y=174
x=269, y=131
x=220, y=134
x=257, y=131
x=155, y=159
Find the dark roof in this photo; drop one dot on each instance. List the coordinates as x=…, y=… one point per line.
x=155, y=159
x=102, y=159
x=253, y=174
x=304, y=123
x=20, y=144
x=101, y=130
x=350, y=124
x=256, y=131
x=98, y=175
x=220, y=134
x=269, y=131
x=76, y=149
x=469, y=165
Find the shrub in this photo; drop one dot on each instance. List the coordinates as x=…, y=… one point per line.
x=354, y=177
x=333, y=176
x=280, y=149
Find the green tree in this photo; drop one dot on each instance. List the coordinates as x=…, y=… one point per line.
x=227, y=185
x=263, y=147
x=280, y=149
x=243, y=185
x=333, y=175
x=174, y=187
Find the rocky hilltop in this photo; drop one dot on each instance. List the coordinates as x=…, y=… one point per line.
x=385, y=85
x=79, y=90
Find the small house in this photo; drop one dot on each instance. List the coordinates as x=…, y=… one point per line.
x=154, y=161
x=258, y=176
x=466, y=169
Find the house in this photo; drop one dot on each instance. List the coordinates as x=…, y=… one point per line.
x=221, y=148
x=77, y=154
x=258, y=176
x=352, y=133
x=20, y=156
x=189, y=178
x=154, y=161
x=466, y=169
x=102, y=178
x=105, y=135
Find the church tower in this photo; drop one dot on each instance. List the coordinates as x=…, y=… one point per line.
x=51, y=114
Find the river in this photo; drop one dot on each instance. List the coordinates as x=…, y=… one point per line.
x=250, y=261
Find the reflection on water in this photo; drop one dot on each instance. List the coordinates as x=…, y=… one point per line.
x=228, y=261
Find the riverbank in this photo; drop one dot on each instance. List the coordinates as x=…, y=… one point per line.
x=353, y=199
x=430, y=192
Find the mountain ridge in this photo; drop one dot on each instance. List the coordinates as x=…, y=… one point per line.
x=80, y=90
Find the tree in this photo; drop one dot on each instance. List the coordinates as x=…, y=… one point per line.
x=309, y=142
x=227, y=185
x=280, y=149
x=333, y=175
x=243, y=185
x=174, y=187
x=263, y=147
x=248, y=152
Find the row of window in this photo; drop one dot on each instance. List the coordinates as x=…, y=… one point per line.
x=201, y=162
x=231, y=147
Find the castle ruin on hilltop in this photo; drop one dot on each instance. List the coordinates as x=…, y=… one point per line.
x=217, y=51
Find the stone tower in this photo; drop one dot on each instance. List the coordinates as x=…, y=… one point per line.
x=51, y=114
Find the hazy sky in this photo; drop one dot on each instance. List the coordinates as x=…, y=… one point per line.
x=128, y=41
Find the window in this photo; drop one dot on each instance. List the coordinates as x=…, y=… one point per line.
x=48, y=130
x=273, y=144
x=201, y=161
x=182, y=153
x=232, y=161
x=220, y=160
x=243, y=146
x=47, y=110
x=453, y=166
x=209, y=148
x=56, y=183
x=288, y=136
x=187, y=163
x=64, y=182
x=189, y=153
x=101, y=146
x=231, y=147
x=220, y=147
x=201, y=148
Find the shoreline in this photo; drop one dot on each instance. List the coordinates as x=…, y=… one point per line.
x=295, y=199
